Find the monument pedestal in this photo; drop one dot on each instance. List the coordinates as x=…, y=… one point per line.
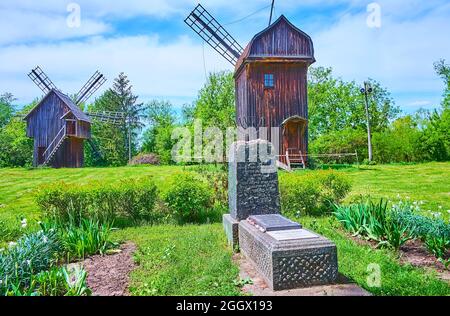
x=231, y=227
x=289, y=259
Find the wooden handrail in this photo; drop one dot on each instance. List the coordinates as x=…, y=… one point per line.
x=54, y=140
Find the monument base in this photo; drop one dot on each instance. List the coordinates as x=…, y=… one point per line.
x=231, y=227
x=289, y=259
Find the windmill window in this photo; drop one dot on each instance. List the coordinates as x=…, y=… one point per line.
x=269, y=81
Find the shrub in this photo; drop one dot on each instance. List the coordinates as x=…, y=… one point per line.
x=145, y=159
x=59, y=281
x=420, y=226
x=312, y=193
x=127, y=200
x=438, y=246
x=373, y=221
x=32, y=254
x=190, y=199
x=89, y=238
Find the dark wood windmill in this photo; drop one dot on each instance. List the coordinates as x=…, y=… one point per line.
x=271, y=78
x=58, y=125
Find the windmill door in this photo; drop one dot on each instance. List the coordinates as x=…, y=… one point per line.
x=71, y=127
x=40, y=155
x=293, y=140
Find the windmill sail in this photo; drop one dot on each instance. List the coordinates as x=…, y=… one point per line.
x=93, y=84
x=115, y=118
x=41, y=80
x=207, y=27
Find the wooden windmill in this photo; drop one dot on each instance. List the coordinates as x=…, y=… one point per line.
x=270, y=77
x=58, y=125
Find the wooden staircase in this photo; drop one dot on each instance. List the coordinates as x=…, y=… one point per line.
x=292, y=161
x=56, y=143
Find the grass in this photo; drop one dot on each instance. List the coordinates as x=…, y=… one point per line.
x=354, y=261
x=181, y=260
x=429, y=183
x=194, y=260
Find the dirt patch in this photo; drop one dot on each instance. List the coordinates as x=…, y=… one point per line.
x=259, y=287
x=415, y=253
x=109, y=275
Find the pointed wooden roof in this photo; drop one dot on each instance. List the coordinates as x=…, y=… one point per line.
x=73, y=108
x=281, y=41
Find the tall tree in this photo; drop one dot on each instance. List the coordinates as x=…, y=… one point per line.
x=7, y=108
x=158, y=137
x=134, y=111
x=443, y=70
x=108, y=138
x=16, y=149
x=118, y=143
x=215, y=104
x=335, y=105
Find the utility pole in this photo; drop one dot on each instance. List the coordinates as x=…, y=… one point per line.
x=271, y=12
x=366, y=91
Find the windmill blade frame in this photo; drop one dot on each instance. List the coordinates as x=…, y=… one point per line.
x=38, y=76
x=115, y=118
x=213, y=33
x=90, y=87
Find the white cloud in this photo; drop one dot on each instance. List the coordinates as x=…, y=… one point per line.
x=24, y=26
x=400, y=54
x=172, y=70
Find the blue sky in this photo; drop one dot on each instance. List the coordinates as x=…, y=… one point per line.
x=164, y=59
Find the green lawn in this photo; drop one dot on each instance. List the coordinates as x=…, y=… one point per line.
x=194, y=260
x=429, y=183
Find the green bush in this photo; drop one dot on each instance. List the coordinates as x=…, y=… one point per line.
x=89, y=238
x=127, y=200
x=31, y=254
x=438, y=246
x=190, y=199
x=312, y=193
x=373, y=221
x=59, y=281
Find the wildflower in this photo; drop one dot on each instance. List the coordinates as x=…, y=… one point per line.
x=45, y=239
x=12, y=244
x=24, y=223
x=29, y=263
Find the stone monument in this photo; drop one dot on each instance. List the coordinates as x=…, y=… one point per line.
x=284, y=254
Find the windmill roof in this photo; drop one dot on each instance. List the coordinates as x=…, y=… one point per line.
x=248, y=54
x=73, y=108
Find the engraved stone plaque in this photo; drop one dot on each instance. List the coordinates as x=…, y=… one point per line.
x=293, y=234
x=273, y=222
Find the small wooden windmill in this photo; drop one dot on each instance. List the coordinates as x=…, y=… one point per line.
x=270, y=77
x=58, y=125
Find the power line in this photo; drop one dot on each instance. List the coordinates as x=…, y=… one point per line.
x=250, y=15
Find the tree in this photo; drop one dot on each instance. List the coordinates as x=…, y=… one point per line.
x=108, y=138
x=16, y=149
x=7, y=108
x=158, y=136
x=215, y=104
x=443, y=70
x=118, y=143
x=335, y=105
